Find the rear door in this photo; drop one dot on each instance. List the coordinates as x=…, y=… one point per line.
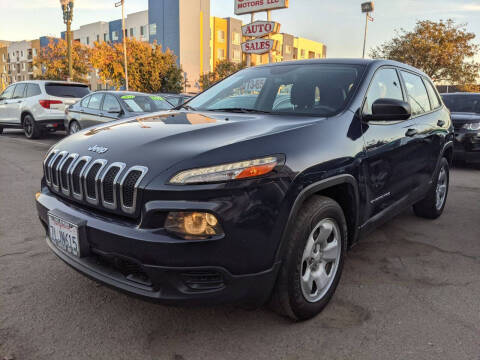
x=92, y=113
x=390, y=151
x=14, y=105
x=4, y=98
x=111, y=108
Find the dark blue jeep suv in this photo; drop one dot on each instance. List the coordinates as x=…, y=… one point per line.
x=253, y=190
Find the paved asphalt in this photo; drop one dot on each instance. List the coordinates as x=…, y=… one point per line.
x=411, y=290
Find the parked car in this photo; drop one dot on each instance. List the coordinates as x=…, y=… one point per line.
x=465, y=109
x=207, y=206
x=105, y=106
x=176, y=99
x=38, y=105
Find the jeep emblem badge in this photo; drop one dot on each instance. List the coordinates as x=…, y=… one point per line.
x=98, y=149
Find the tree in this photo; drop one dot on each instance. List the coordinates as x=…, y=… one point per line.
x=52, y=61
x=149, y=68
x=443, y=50
x=223, y=69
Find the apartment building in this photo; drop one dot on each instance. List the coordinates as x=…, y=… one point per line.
x=225, y=40
x=20, y=56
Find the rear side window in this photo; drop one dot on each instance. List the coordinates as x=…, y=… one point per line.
x=66, y=90
x=33, y=90
x=417, y=93
x=19, y=91
x=385, y=85
x=111, y=103
x=8, y=93
x=85, y=101
x=433, y=95
x=95, y=101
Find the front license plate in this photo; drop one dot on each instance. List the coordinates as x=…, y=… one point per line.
x=64, y=235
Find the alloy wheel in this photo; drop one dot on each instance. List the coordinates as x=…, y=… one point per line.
x=28, y=126
x=442, y=185
x=320, y=260
x=74, y=128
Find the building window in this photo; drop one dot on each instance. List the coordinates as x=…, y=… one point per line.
x=88, y=41
x=34, y=52
x=221, y=36
x=311, y=55
x=153, y=29
x=114, y=35
x=21, y=53
x=132, y=32
x=23, y=66
x=302, y=53
x=236, y=38
x=221, y=54
x=126, y=33
x=288, y=49
x=98, y=38
x=105, y=37
x=237, y=55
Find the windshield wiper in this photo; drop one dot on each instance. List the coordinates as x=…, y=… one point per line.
x=186, y=107
x=241, y=110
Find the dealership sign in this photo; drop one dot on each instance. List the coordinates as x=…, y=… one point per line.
x=258, y=46
x=251, y=6
x=260, y=28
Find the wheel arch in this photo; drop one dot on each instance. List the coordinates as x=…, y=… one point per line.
x=341, y=188
x=448, y=152
x=23, y=114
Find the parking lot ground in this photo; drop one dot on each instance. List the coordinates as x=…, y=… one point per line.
x=410, y=290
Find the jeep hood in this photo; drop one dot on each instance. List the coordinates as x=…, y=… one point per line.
x=161, y=140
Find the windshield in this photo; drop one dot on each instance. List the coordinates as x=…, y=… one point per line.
x=313, y=89
x=462, y=103
x=144, y=103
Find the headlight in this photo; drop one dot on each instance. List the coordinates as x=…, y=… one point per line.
x=225, y=172
x=193, y=224
x=472, y=126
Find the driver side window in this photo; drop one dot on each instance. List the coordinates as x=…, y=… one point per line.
x=385, y=85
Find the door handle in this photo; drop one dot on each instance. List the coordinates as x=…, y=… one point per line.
x=411, y=132
x=440, y=123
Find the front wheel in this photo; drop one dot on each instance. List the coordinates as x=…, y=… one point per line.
x=313, y=262
x=31, y=128
x=74, y=127
x=431, y=207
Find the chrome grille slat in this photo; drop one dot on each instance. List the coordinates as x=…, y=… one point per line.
x=131, y=209
x=113, y=186
x=111, y=205
x=101, y=162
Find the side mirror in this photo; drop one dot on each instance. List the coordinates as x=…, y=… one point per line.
x=389, y=110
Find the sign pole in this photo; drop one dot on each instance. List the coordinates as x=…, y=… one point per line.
x=249, y=56
x=269, y=18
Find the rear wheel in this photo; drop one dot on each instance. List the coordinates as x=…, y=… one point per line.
x=313, y=261
x=31, y=128
x=74, y=127
x=432, y=206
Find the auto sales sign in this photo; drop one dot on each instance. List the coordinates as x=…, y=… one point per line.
x=260, y=28
x=251, y=6
x=258, y=46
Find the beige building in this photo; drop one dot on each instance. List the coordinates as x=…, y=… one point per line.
x=20, y=56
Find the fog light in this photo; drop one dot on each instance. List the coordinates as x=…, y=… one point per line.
x=193, y=224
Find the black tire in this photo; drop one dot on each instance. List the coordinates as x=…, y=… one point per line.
x=31, y=128
x=74, y=125
x=288, y=297
x=428, y=207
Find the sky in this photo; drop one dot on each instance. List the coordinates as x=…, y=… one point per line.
x=337, y=23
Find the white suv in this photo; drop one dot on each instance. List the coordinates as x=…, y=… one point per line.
x=38, y=105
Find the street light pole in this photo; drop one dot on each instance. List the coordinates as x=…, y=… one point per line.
x=367, y=8
x=122, y=4
x=67, y=9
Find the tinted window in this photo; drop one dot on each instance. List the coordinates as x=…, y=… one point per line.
x=432, y=94
x=95, y=101
x=85, y=101
x=19, y=91
x=33, y=90
x=462, y=103
x=417, y=93
x=7, y=94
x=385, y=85
x=314, y=89
x=143, y=103
x=66, y=90
x=110, y=103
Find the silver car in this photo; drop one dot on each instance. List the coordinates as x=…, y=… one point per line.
x=38, y=105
